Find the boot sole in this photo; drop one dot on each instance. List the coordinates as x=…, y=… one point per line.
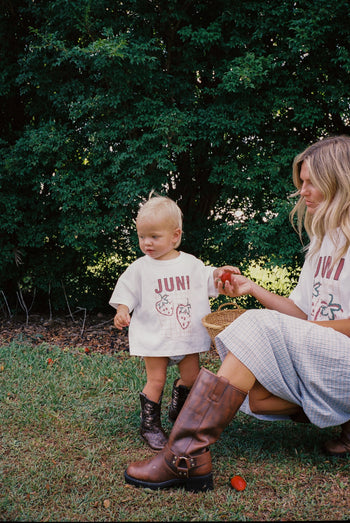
x=198, y=484
x=337, y=454
x=343, y=454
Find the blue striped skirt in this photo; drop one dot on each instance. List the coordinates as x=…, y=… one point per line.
x=294, y=359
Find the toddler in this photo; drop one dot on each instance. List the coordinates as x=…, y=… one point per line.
x=163, y=296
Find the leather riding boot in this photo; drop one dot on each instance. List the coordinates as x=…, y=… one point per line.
x=300, y=416
x=340, y=446
x=186, y=460
x=151, y=429
x=178, y=398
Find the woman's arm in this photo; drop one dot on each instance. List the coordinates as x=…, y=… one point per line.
x=241, y=285
x=342, y=326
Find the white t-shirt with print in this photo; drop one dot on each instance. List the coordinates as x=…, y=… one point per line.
x=167, y=299
x=323, y=291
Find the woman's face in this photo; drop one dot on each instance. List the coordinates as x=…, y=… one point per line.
x=312, y=196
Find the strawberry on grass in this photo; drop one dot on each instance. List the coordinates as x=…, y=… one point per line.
x=238, y=483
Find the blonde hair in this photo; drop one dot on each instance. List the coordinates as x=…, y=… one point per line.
x=162, y=208
x=328, y=162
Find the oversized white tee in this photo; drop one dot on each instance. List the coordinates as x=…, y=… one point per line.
x=167, y=299
x=323, y=291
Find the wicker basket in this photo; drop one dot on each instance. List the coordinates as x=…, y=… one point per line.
x=218, y=320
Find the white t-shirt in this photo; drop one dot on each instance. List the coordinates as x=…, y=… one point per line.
x=168, y=299
x=324, y=293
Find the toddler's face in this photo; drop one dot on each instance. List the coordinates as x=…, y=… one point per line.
x=156, y=239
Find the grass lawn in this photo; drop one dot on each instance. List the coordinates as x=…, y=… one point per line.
x=69, y=427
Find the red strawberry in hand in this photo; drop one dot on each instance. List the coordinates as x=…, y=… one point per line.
x=226, y=276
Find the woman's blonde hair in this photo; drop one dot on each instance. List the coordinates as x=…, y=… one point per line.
x=328, y=162
x=162, y=208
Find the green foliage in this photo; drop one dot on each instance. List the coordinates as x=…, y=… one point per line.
x=207, y=102
x=280, y=280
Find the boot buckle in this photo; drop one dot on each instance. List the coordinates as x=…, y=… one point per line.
x=183, y=464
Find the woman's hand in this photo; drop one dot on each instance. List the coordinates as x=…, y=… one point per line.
x=238, y=286
x=234, y=285
x=227, y=270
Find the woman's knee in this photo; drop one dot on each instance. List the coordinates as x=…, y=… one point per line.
x=256, y=405
x=271, y=405
x=258, y=396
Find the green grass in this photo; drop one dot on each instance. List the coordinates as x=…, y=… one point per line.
x=70, y=428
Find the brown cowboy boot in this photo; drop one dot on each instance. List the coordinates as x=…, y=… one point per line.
x=151, y=429
x=340, y=446
x=299, y=416
x=178, y=398
x=185, y=460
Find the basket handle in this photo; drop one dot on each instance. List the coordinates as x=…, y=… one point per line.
x=228, y=304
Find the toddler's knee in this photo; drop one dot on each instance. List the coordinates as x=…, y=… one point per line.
x=156, y=384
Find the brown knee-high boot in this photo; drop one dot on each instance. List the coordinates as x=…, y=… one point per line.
x=185, y=460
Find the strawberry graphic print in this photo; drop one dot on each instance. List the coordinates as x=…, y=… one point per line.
x=173, y=304
x=174, y=313
x=164, y=305
x=326, y=305
x=183, y=315
x=327, y=310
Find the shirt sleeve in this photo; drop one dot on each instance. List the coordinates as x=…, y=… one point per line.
x=126, y=290
x=212, y=290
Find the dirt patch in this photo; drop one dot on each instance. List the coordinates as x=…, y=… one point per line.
x=96, y=332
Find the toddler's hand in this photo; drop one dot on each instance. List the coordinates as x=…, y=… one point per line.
x=122, y=318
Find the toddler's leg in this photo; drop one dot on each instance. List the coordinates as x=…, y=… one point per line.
x=189, y=370
x=156, y=370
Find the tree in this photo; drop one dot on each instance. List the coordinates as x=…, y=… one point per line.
x=208, y=102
